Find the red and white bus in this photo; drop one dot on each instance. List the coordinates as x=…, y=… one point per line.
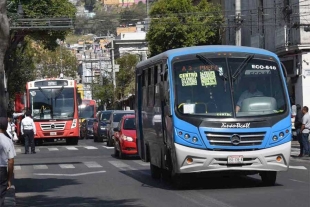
x=87, y=109
x=54, y=106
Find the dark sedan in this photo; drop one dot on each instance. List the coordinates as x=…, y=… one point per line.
x=87, y=128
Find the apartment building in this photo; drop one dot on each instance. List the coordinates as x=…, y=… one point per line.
x=279, y=26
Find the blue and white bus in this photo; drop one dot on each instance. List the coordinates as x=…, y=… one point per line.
x=213, y=109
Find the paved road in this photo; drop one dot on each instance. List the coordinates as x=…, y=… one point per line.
x=88, y=175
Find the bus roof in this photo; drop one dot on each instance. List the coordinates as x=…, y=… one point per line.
x=201, y=49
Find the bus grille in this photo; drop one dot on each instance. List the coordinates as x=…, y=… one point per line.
x=224, y=139
x=53, y=126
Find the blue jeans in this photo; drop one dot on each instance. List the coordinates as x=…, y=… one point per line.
x=305, y=143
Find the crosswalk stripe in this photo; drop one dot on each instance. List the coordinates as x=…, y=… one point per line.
x=37, y=150
x=92, y=164
x=17, y=167
x=108, y=147
x=142, y=163
x=72, y=148
x=298, y=167
x=53, y=149
x=18, y=150
x=121, y=165
x=40, y=167
x=90, y=147
x=66, y=166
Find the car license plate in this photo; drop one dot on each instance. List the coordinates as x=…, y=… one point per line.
x=238, y=159
x=53, y=133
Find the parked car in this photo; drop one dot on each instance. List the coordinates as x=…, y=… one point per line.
x=113, y=122
x=100, y=126
x=125, y=137
x=87, y=128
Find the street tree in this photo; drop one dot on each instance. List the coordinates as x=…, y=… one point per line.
x=132, y=14
x=51, y=63
x=181, y=23
x=104, y=93
x=125, y=78
x=4, y=43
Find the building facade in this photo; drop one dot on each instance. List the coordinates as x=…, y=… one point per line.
x=279, y=26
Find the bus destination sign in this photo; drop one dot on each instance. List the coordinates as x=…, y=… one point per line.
x=51, y=83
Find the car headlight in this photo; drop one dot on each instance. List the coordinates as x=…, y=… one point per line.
x=102, y=128
x=129, y=139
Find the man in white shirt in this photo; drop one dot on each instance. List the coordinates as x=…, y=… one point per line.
x=28, y=129
x=305, y=130
x=251, y=92
x=6, y=160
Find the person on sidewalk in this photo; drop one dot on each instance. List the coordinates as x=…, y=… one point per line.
x=305, y=129
x=28, y=129
x=298, y=124
x=6, y=160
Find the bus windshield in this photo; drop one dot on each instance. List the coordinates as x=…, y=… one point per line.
x=239, y=83
x=56, y=103
x=86, y=111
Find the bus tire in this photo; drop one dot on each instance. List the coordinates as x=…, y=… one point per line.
x=155, y=171
x=269, y=178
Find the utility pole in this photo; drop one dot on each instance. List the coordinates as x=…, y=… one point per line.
x=238, y=22
x=147, y=14
x=113, y=64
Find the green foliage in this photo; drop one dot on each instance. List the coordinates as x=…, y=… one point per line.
x=44, y=9
x=23, y=59
x=179, y=23
x=133, y=14
x=105, y=92
x=125, y=78
x=53, y=62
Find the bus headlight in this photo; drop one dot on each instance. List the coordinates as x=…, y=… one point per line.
x=74, y=122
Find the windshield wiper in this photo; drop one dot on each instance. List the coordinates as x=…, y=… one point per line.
x=207, y=61
x=44, y=93
x=242, y=66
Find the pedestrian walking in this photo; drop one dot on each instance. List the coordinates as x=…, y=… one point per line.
x=28, y=129
x=305, y=129
x=11, y=130
x=298, y=124
x=6, y=160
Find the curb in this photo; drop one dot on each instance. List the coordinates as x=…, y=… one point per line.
x=10, y=197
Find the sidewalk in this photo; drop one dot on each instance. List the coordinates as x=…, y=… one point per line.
x=10, y=197
x=295, y=144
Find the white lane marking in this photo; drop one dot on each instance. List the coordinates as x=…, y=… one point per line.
x=298, y=167
x=121, y=165
x=52, y=149
x=108, y=147
x=142, y=163
x=298, y=181
x=92, y=164
x=66, y=166
x=40, y=167
x=37, y=150
x=90, y=147
x=72, y=148
x=17, y=167
x=70, y=175
x=18, y=150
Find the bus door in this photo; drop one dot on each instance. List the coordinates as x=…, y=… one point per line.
x=139, y=116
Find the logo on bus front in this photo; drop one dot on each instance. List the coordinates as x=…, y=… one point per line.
x=236, y=125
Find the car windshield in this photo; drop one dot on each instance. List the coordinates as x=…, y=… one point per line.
x=129, y=124
x=53, y=103
x=209, y=85
x=118, y=116
x=105, y=116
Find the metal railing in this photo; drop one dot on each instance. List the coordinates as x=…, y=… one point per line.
x=38, y=24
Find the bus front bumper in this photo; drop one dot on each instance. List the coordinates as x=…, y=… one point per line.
x=191, y=160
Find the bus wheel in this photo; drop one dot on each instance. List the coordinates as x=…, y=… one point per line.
x=155, y=171
x=269, y=178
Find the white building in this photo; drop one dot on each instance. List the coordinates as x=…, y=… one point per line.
x=278, y=26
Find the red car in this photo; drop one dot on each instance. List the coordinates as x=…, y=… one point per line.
x=125, y=137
